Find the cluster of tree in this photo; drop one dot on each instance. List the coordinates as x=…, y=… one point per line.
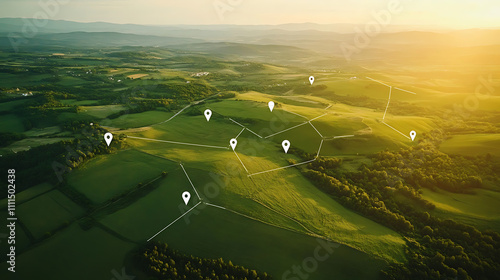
x=160, y=262
x=445, y=249
x=436, y=248
x=357, y=198
x=43, y=163
x=139, y=105
x=425, y=166
x=185, y=92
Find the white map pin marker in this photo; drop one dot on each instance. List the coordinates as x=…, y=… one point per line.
x=413, y=134
x=108, y=137
x=271, y=105
x=286, y=146
x=311, y=80
x=186, y=196
x=233, y=143
x=208, y=114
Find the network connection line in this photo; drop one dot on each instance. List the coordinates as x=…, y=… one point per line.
x=174, y=221
x=213, y=205
x=396, y=130
x=405, y=90
x=241, y=162
x=178, y=143
x=295, y=114
x=320, y=146
x=176, y=114
x=189, y=179
x=280, y=168
x=274, y=134
x=388, y=102
x=240, y=133
x=343, y=136
x=315, y=129
x=318, y=117
x=189, y=105
x=245, y=128
x=378, y=82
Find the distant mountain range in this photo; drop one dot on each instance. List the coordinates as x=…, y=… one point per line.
x=15, y=24
x=317, y=38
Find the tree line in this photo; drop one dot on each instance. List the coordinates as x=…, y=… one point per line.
x=388, y=192
x=160, y=262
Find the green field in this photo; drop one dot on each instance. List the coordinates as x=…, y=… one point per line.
x=282, y=197
x=472, y=145
x=29, y=193
x=28, y=143
x=256, y=206
x=11, y=123
x=102, y=112
x=138, y=119
x=74, y=102
x=479, y=209
x=216, y=233
x=8, y=106
x=47, y=212
x=94, y=251
x=116, y=174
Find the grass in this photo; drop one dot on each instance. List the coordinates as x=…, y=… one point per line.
x=11, y=105
x=28, y=143
x=74, y=102
x=107, y=176
x=47, y=212
x=216, y=233
x=29, y=193
x=148, y=215
x=72, y=249
x=11, y=123
x=284, y=193
x=138, y=120
x=480, y=209
x=37, y=132
x=472, y=144
x=102, y=112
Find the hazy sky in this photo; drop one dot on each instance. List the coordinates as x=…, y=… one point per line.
x=448, y=13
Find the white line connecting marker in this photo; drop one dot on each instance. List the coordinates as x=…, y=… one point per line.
x=189, y=179
x=239, y=133
x=344, y=136
x=253, y=133
x=173, y=221
x=285, y=130
x=321, y=135
x=276, y=169
x=328, y=107
x=237, y=123
x=378, y=82
x=245, y=128
x=191, y=104
x=405, y=90
x=388, y=102
x=213, y=205
x=177, y=113
x=319, y=150
x=397, y=130
x=318, y=117
x=178, y=143
x=295, y=114
x=241, y=162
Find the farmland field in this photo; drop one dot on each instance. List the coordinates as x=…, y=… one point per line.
x=158, y=152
